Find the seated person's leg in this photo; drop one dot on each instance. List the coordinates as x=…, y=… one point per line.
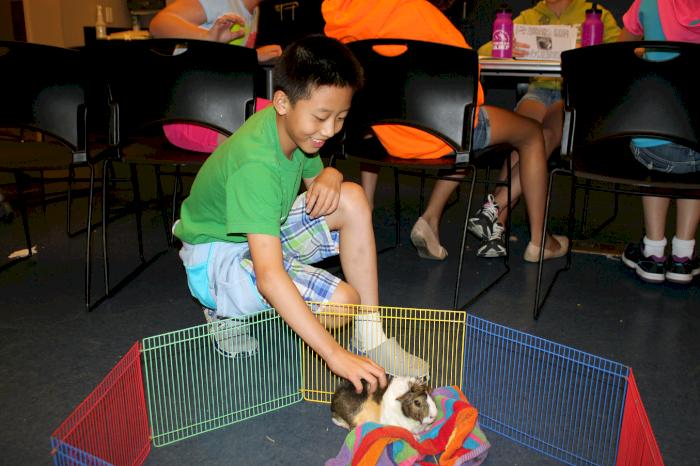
x=546, y=107
x=425, y=234
x=683, y=264
x=648, y=257
x=525, y=135
x=368, y=178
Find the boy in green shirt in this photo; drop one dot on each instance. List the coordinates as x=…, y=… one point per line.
x=249, y=240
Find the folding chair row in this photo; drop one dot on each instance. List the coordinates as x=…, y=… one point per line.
x=105, y=104
x=431, y=87
x=614, y=93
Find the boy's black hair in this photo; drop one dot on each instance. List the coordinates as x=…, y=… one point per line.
x=314, y=61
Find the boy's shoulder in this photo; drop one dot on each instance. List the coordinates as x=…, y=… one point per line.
x=257, y=136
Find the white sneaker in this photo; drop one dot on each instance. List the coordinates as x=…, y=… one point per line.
x=481, y=225
x=230, y=336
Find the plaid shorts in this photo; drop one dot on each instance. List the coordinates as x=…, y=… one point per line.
x=230, y=279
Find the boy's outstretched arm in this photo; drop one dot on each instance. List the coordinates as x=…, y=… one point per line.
x=279, y=290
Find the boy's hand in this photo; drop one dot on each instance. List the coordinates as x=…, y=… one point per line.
x=220, y=31
x=357, y=368
x=323, y=195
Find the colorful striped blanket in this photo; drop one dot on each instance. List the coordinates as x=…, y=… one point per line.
x=454, y=439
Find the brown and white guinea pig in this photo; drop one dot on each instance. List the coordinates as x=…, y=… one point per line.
x=404, y=402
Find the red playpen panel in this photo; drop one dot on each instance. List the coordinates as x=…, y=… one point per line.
x=638, y=445
x=111, y=424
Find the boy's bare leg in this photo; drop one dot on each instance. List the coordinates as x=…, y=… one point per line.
x=358, y=253
x=358, y=257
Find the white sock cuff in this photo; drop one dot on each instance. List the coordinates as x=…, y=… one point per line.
x=682, y=247
x=654, y=247
x=368, y=331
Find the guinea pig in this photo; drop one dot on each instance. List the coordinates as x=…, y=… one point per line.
x=404, y=402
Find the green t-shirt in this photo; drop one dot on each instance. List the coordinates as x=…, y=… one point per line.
x=246, y=186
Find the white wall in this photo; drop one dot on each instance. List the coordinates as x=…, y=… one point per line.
x=60, y=22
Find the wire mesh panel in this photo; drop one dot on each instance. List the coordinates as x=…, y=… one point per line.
x=434, y=336
x=110, y=426
x=209, y=376
x=637, y=441
x=557, y=400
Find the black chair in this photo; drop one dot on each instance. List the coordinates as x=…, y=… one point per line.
x=615, y=92
x=41, y=90
x=431, y=87
x=152, y=82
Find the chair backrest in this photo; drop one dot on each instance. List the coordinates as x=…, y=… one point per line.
x=613, y=91
x=41, y=88
x=429, y=86
x=172, y=80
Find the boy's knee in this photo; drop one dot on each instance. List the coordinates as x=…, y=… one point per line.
x=352, y=197
x=345, y=294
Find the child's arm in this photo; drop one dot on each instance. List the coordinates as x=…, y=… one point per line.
x=323, y=192
x=181, y=19
x=279, y=290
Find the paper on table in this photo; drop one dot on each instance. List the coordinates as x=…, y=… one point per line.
x=546, y=42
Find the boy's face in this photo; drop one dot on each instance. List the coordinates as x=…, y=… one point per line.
x=309, y=123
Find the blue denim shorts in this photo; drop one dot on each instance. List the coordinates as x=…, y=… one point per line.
x=546, y=97
x=667, y=158
x=221, y=275
x=481, y=137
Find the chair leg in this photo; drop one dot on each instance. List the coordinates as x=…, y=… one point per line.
x=584, y=209
x=397, y=208
x=137, y=209
x=538, y=287
x=22, y=204
x=464, y=236
x=421, y=200
x=161, y=205
x=175, y=203
x=107, y=172
x=42, y=187
x=69, y=199
x=88, y=244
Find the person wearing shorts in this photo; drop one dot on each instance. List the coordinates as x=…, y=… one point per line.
x=543, y=103
x=249, y=238
x=424, y=20
x=673, y=20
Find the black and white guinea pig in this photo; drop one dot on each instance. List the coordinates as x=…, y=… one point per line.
x=404, y=402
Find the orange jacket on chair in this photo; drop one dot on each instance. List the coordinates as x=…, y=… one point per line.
x=349, y=20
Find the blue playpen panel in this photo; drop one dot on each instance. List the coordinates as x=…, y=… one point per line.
x=554, y=399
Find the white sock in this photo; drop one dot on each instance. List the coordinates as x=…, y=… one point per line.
x=369, y=331
x=654, y=247
x=682, y=247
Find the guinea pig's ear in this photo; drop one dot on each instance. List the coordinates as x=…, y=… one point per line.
x=403, y=397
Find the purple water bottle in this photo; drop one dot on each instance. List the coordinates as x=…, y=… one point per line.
x=502, y=36
x=592, y=27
